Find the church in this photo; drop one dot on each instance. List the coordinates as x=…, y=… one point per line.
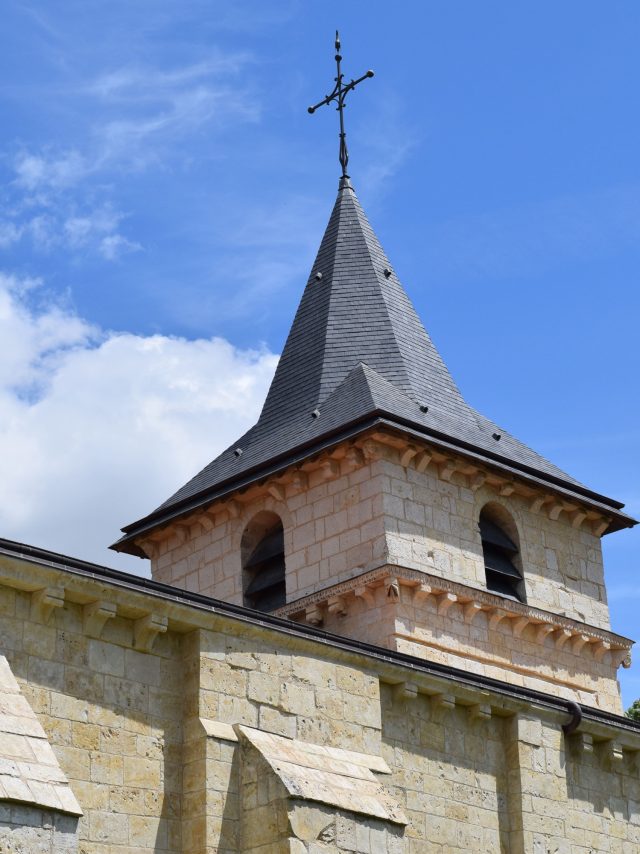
x=376, y=623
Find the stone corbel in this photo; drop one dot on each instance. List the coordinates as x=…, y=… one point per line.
x=612, y=750
x=337, y=606
x=44, y=602
x=182, y=532
x=537, y=502
x=95, y=616
x=445, y=601
x=577, y=517
x=407, y=455
x=405, y=691
x=561, y=637
x=480, y=712
x=555, y=510
x=422, y=592
x=313, y=615
x=422, y=461
x=583, y=742
x=520, y=625
x=233, y=508
x=471, y=611
x=366, y=594
x=392, y=586
x=447, y=702
x=507, y=489
x=330, y=469
x=477, y=481
x=371, y=450
x=276, y=491
x=354, y=456
x=496, y=618
x=600, y=527
x=600, y=649
x=542, y=631
x=207, y=520
x=447, y=469
x=621, y=657
x=299, y=480
x=578, y=642
x=149, y=547
x=147, y=629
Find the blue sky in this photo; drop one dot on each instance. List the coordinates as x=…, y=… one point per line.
x=163, y=191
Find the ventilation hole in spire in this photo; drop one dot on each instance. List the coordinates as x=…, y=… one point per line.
x=424, y=407
x=387, y=272
x=497, y=436
x=315, y=413
x=237, y=453
x=318, y=276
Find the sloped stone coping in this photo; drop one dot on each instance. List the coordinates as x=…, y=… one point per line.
x=327, y=775
x=29, y=770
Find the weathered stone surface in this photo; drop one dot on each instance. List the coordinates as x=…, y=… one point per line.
x=332, y=776
x=29, y=769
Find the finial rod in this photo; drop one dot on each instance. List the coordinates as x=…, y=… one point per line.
x=339, y=94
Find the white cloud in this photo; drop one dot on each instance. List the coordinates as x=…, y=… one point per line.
x=10, y=233
x=50, y=169
x=99, y=427
x=114, y=246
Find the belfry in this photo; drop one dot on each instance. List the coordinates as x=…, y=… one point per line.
x=377, y=624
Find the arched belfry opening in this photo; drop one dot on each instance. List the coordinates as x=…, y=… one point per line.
x=501, y=552
x=263, y=566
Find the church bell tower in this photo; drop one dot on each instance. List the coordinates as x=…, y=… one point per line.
x=372, y=501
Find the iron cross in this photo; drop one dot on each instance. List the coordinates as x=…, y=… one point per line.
x=338, y=95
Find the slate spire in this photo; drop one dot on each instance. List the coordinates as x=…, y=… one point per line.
x=354, y=310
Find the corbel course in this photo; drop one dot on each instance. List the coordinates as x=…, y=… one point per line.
x=407, y=455
x=95, y=616
x=44, y=602
x=405, y=691
x=365, y=593
x=146, y=629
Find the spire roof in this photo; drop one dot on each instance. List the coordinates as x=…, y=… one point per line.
x=356, y=354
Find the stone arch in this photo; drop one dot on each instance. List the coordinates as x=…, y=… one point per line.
x=501, y=551
x=262, y=555
x=250, y=511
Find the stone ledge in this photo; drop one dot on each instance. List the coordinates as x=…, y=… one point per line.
x=576, y=636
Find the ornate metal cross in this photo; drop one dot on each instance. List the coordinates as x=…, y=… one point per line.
x=338, y=95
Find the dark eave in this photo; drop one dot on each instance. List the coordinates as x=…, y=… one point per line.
x=376, y=656
x=377, y=418
x=357, y=352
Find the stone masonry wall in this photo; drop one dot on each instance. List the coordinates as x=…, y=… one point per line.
x=349, y=517
x=333, y=529
x=30, y=830
x=432, y=524
x=146, y=739
x=113, y=716
x=364, y=512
